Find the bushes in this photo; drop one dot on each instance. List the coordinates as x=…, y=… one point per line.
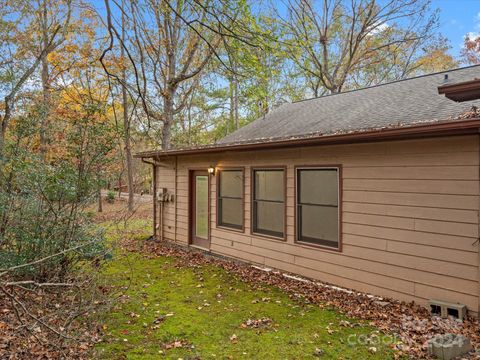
x=110, y=197
x=43, y=205
x=42, y=212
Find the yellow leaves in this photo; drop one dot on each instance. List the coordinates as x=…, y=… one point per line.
x=89, y=31
x=436, y=60
x=52, y=57
x=71, y=47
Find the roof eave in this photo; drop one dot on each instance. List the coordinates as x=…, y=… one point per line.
x=464, y=91
x=456, y=127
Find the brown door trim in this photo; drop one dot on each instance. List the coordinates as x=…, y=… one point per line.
x=193, y=239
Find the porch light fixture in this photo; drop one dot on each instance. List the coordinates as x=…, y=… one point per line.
x=211, y=170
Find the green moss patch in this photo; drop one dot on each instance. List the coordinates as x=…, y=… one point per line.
x=203, y=312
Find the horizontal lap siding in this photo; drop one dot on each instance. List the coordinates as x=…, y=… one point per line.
x=409, y=221
x=166, y=179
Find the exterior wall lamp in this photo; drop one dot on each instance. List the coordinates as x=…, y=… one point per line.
x=211, y=170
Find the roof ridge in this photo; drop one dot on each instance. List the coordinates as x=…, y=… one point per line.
x=387, y=83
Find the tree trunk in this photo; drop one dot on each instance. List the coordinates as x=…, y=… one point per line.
x=99, y=195
x=120, y=185
x=126, y=126
x=168, y=118
x=166, y=134
x=45, y=87
x=128, y=156
x=3, y=129
x=4, y=122
x=232, y=106
x=235, y=102
x=189, y=118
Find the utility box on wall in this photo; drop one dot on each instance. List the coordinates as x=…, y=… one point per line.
x=164, y=196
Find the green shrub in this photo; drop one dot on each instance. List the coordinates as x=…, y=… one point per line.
x=44, y=214
x=44, y=205
x=110, y=197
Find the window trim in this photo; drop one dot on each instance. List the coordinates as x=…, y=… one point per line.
x=296, y=229
x=217, y=187
x=252, y=200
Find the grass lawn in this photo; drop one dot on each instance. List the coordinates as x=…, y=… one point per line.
x=197, y=312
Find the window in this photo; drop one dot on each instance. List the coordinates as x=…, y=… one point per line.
x=269, y=202
x=230, y=199
x=317, y=206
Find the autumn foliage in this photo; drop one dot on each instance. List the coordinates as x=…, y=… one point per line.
x=471, y=50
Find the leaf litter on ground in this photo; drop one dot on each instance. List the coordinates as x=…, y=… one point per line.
x=412, y=323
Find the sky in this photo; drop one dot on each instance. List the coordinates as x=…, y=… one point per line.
x=457, y=18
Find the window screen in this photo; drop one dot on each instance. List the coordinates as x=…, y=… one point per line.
x=230, y=199
x=269, y=202
x=317, y=206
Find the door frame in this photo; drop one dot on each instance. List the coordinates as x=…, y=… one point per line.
x=191, y=207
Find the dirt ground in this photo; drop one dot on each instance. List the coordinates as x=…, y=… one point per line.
x=118, y=210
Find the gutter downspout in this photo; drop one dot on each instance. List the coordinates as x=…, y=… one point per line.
x=154, y=169
x=160, y=227
x=175, y=200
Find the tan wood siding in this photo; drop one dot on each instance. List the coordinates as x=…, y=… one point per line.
x=410, y=215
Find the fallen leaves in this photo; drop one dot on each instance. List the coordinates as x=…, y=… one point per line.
x=473, y=113
x=346, y=323
x=412, y=324
x=264, y=299
x=330, y=331
x=176, y=344
x=159, y=319
x=256, y=323
x=39, y=343
x=318, y=352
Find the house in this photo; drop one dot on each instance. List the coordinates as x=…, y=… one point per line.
x=374, y=189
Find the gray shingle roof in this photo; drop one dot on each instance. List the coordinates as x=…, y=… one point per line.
x=402, y=102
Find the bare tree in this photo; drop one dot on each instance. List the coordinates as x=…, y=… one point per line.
x=126, y=120
x=169, y=45
x=164, y=55
x=171, y=57
x=167, y=55
x=332, y=40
